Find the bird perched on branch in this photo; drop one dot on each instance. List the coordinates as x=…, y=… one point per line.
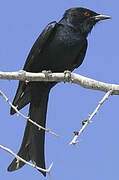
x=61, y=46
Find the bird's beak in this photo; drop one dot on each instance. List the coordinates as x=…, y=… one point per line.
x=101, y=17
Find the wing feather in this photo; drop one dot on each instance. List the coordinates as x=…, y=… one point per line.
x=22, y=96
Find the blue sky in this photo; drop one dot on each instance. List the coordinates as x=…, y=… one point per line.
x=97, y=154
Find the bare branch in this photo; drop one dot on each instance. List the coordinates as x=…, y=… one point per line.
x=26, y=117
x=86, y=122
x=26, y=162
x=58, y=77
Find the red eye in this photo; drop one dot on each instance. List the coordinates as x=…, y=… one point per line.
x=87, y=14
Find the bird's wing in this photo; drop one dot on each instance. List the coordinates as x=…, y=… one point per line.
x=79, y=59
x=22, y=96
x=39, y=44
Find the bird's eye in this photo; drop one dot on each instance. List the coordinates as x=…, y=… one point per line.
x=87, y=14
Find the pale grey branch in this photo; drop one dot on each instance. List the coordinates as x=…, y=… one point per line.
x=86, y=122
x=61, y=77
x=18, y=158
x=25, y=117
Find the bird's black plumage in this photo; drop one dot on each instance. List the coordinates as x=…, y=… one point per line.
x=61, y=46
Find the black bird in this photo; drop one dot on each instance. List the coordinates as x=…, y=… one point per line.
x=61, y=46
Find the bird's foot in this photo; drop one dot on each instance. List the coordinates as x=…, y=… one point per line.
x=67, y=76
x=47, y=73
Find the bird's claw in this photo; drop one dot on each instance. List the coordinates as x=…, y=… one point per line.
x=22, y=74
x=67, y=76
x=47, y=73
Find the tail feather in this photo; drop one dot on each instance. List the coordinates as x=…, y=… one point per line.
x=22, y=98
x=23, y=152
x=32, y=147
x=15, y=165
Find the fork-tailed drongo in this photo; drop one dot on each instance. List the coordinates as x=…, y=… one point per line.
x=61, y=46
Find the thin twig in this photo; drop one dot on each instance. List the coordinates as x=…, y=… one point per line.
x=26, y=117
x=86, y=122
x=26, y=162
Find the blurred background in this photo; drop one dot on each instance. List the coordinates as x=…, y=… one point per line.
x=97, y=154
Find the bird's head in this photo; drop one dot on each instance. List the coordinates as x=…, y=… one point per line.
x=83, y=19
